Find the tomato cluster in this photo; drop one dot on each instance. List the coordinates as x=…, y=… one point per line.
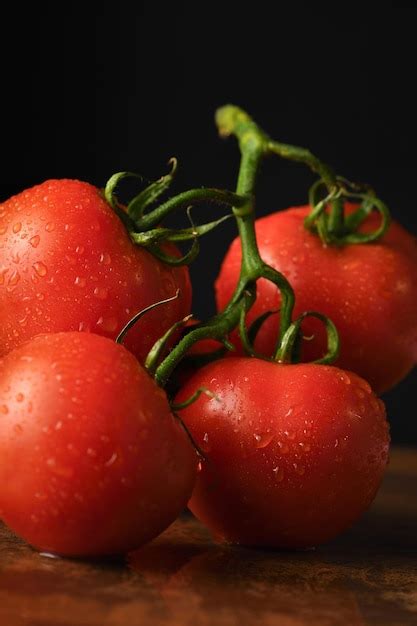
x=265, y=449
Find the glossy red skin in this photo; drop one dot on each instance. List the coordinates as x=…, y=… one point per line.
x=369, y=291
x=295, y=453
x=92, y=460
x=67, y=263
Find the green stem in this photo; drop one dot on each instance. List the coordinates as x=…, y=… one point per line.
x=302, y=155
x=185, y=199
x=254, y=146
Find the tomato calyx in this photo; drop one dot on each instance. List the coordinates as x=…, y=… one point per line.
x=318, y=220
x=143, y=222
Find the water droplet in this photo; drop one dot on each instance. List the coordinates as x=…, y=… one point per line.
x=283, y=447
x=3, y=229
x=3, y=273
x=91, y=452
x=79, y=249
x=83, y=327
x=263, y=439
x=205, y=445
x=80, y=281
x=20, y=397
x=13, y=278
x=18, y=429
x=40, y=268
x=300, y=469
x=101, y=293
x=344, y=378
x=279, y=473
x=49, y=227
x=289, y=435
x=58, y=425
x=199, y=466
x=105, y=258
x=107, y=324
x=111, y=460
x=305, y=447
x=17, y=227
x=336, y=443
x=34, y=241
x=289, y=412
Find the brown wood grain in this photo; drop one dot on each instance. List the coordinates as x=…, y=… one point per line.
x=367, y=576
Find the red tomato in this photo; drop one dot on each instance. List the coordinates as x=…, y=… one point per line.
x=67, y=263
x=369, y=291
x=295, y=453
x=92, y=460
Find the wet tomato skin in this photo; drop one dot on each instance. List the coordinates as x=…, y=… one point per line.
x=92, y=460
x=369, y=291
x=67, y=263
x=295, y=453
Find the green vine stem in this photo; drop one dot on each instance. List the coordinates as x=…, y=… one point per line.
x=333, y=227
x=253, y=146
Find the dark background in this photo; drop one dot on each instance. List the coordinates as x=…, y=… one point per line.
x=88, y=91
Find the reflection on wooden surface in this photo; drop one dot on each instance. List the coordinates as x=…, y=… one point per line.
x=367, y=576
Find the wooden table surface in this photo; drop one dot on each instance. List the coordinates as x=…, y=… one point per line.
x=367, y=576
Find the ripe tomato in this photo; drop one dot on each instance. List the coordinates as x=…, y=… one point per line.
x=369, y=291
x=67, y=263
x=92, y=460
x=295, y=453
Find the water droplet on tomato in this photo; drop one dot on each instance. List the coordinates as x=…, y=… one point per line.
x=91, y=452
x=17, y=227
x=58, y=425
x=79, y=249
x=80, y=281
x=3, y=229
x=49, y=227
x=4, y=409
x=263, y=439
x=289, y=412
x=101, y=293
x=84, y=327
x=13, y=278
x=34, y=241
x=111, y=460
x=344, y=378
x=20, y=397
x=199, y=466
x=3, y=273
x=105, y=258
x=40, y=268
x=18, y=429
x=279, y=473
x=289, y=434
x=205, y=444
x=283, y=447
x=107, y=324
x=300, y=469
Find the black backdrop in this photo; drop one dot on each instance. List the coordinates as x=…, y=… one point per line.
x=90, y=90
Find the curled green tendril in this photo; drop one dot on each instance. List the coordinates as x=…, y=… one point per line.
x=150, y=194
x=293, y=335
